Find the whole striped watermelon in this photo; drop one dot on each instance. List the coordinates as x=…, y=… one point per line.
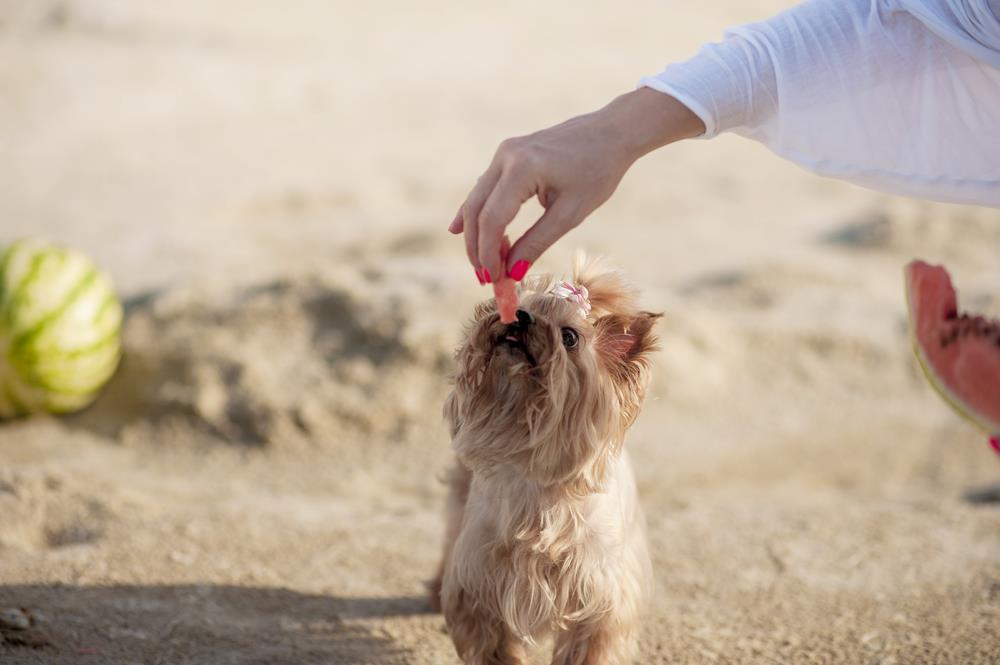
x=60, y=324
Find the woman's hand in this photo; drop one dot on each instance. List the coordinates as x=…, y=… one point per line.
x=572, y=168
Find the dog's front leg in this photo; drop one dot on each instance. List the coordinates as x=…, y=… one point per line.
x=603, y=641
x=480, y=639
x=459, y=478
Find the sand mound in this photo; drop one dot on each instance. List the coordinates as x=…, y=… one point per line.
x=296, y=363
x=799, y=326
x=45, y=511
x=918, y=227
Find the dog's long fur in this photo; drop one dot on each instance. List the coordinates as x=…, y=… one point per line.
x=545, y=532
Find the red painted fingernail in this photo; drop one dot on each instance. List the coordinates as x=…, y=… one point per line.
x=486, y=276
x=519, y=270
x=995, y=442
x=479, y=277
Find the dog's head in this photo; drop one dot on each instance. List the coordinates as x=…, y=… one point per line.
x=554, y=392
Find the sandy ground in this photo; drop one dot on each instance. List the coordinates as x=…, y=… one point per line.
x=269, y=185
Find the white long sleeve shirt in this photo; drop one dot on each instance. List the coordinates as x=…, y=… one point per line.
x=898, y=95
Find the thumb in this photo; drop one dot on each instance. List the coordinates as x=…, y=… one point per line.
x=557, y=221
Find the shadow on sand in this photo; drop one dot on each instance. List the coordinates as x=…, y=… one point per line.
x=204, y=624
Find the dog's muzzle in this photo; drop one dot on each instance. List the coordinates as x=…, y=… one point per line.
x=515, y=334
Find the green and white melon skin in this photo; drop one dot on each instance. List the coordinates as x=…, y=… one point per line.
x=60, y=329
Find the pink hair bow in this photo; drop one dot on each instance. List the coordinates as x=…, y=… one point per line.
x=578, y=295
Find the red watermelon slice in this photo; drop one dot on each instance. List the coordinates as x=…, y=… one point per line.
x=505, y=288
x=959, y=353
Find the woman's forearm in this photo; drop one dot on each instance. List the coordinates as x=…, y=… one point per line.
x=645, y=120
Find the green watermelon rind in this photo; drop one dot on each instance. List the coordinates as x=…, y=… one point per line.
x=952, y=400
x=37, y=371
x=24, y=339
x=18, y=299
x=50, y=380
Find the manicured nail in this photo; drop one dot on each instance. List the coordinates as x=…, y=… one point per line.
x=995, y=442
x=519, y=270
x=479, y=277
x=486, y=276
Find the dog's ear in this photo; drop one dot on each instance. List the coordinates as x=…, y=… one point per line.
x=626, y=339
x=625, y=343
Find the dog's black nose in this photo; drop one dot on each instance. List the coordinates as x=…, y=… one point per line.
x=524, y=318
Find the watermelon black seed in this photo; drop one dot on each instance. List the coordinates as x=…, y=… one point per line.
x=965, y=325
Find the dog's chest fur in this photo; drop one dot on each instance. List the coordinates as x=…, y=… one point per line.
x=543, y=560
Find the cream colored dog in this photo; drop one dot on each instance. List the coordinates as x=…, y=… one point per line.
x=545, y=532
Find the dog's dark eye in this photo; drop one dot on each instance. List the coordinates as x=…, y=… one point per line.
x=570, y=337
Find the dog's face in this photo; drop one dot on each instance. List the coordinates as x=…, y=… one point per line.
x=554, y=392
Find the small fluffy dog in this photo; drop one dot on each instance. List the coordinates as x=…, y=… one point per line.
x=545, y=532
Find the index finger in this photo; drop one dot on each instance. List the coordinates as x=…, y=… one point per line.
x=510, y=192
x=470, y=214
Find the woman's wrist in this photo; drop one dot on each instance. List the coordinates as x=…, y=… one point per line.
x=646, y=119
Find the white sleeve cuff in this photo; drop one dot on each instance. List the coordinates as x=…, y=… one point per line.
x=730, y=85
x=685, y=98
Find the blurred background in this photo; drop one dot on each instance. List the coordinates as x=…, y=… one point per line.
x=269, y=184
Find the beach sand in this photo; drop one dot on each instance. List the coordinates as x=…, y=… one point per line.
x=269, y=185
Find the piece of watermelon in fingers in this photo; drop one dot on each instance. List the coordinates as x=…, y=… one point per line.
x=505, y=288
x=959, y=353
x=505, y=292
